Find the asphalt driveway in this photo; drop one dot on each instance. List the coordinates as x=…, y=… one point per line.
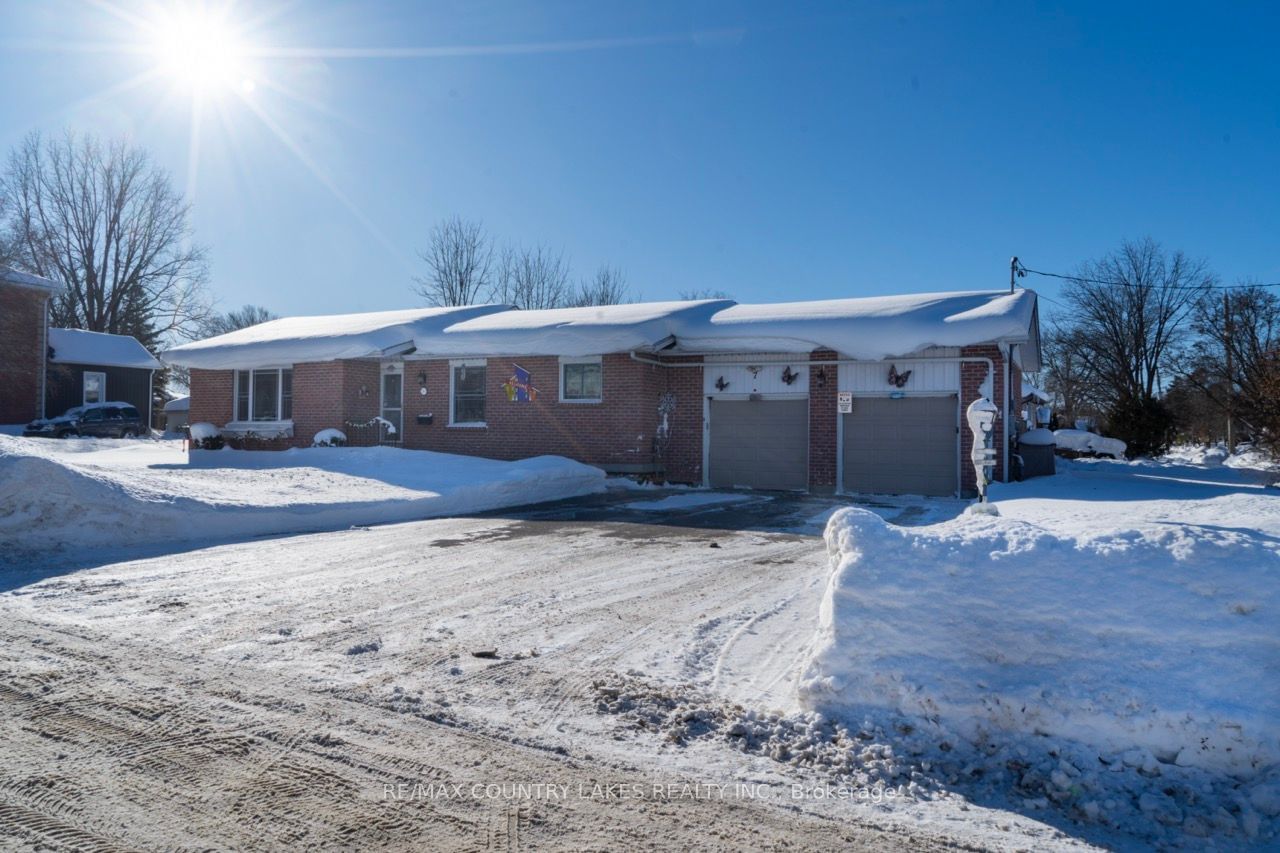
x=733, y=509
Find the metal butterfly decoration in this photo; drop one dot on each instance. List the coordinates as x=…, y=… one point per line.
x=897, y=379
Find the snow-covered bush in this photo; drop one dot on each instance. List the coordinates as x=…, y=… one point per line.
x=330, y=438
x=205, y=436
x=1080, y=442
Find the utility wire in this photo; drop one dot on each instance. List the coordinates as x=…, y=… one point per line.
x=1133, y=284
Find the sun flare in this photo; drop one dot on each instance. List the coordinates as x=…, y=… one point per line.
x=200, y=51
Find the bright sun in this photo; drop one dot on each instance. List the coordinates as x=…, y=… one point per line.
x=199, y=50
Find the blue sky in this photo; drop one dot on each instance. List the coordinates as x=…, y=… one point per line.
x=773, y=151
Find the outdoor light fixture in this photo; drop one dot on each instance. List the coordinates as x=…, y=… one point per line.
x=422, y=377
x=821, y=376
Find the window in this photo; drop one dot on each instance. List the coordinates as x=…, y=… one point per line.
x=393, y=401
x=264, y=395
x=95, y=387
x=580, y=380
x=467, y=387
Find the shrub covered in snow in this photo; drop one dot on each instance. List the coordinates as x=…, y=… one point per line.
x=329, y=438
x=1082, y=442
x=205, y=436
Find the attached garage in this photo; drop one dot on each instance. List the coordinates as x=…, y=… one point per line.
x=906, y=446
x=759, y=444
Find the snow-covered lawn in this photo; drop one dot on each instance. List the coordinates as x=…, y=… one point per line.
x=103, y=493
x=1110, y=644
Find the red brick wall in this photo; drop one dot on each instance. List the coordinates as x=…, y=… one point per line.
x=22, y=352
x=211, y=393
x=687, y=424
x=972, y=375
x=619, y=431
x=823, y=418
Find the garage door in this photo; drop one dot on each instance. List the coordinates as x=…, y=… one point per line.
x=901, y=447
x=759, y=444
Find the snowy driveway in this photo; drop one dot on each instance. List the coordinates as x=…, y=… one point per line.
x=267, y=693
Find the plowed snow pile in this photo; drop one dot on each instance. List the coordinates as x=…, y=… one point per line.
x=103, y=494
x=1083, y=649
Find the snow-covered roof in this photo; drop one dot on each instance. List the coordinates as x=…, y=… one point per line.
x=8, y=275
x=293, y=340
x=178, y=404
x=1029, y=390
x=76, y=346
x=870, y=327
x=573, y=331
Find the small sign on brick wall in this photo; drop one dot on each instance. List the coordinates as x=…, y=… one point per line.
x=844, y=402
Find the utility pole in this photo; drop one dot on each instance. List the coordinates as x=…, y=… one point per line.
x=1231, y=379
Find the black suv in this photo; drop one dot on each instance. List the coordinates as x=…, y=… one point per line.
x=102, y=420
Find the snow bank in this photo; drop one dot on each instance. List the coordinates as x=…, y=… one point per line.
x=76, y=346
x=1082, y=441
x=99, y=494
x=1130, y=655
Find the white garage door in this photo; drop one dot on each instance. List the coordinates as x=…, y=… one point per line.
x=901, y=447
x=759, y=444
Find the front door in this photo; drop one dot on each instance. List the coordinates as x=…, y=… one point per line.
x=393, y=402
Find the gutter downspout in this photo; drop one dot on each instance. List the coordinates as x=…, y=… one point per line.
x=151, y=399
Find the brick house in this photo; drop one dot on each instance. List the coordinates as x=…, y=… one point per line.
x=45, y=371
x=711, y=393
x=24, y=340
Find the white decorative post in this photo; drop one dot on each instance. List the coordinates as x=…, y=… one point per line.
x=982, y=414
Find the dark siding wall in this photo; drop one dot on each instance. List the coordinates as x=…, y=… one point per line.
x=126, y=384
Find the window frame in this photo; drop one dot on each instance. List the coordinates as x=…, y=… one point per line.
x=84, y=387
x=454, y=364
x=249, y=422
x=567, y=361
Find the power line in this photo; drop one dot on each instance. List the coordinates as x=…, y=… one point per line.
x=1133, y=284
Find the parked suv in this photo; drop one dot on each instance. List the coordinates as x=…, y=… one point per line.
x=101, y=420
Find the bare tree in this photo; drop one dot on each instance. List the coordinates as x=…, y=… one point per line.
x=1129, y=316
x=532, y=278
x=1236, y=360
x=607, y=287
x=1066, y=376
x=108, y=224
x=238, y=318
x=704, y=293
x=459, y=258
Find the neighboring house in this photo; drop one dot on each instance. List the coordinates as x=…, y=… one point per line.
x=175, y=414
x=94, y=367
x=44, y=371
x=848, y=395
x=24, y=325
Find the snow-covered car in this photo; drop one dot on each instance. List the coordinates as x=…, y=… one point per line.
x=98, y=420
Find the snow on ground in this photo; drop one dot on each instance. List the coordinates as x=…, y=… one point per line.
x=690, y=501
x=1109, y=644
x=101, y=493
